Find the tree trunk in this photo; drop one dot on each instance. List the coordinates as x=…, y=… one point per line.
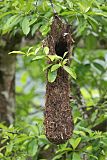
x=7, y=80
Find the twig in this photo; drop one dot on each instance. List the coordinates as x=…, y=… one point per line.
x=54, y=11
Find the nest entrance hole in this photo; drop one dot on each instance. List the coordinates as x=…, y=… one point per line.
x=61, y=46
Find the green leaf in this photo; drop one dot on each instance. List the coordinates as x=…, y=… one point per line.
x=32, y=147
x=52, y=76
x=85, y=129
x=81, y=28
x=46, y=50
x=55, y=67
x=22, y=139
x=93, y=22
x=29, y=50
x=32, y=21
x=68, y=13
x=76, y=156
x=16, y=52
x=35, y=27
x=9, y=148
x=3, y=126
x=99, y=13
x=81, y=133
x=25, y=26
x=100, y=64
x=6, y=13
x=85, y=6
x=44, y=29
x=63, y=150
x=89, y=148
x=37, y=50
x=38, y=58
x=54, y=57
x=70, y=71
x=65, y=61
x=1, y=155
x=46, y=67
x=70, y=3
x=57, y=157
x=90, y=42
x=74, y=142
x=65, y=54
x=93, y=157
x=11, y=22
x=30, y=53
x=42, y=136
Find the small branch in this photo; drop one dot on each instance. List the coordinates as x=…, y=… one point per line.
x=54, y=11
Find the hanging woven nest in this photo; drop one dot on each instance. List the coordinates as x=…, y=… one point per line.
x=58, y=117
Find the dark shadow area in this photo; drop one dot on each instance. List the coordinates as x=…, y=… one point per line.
x=61, y=46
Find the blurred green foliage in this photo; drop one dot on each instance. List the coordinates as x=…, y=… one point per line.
x=25, y=140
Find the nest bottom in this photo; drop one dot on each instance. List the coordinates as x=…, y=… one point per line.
x=58, y=116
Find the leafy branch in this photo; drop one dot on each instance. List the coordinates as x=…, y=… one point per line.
x=55, y=62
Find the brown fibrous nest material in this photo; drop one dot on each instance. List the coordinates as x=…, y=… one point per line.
x=58, y=117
